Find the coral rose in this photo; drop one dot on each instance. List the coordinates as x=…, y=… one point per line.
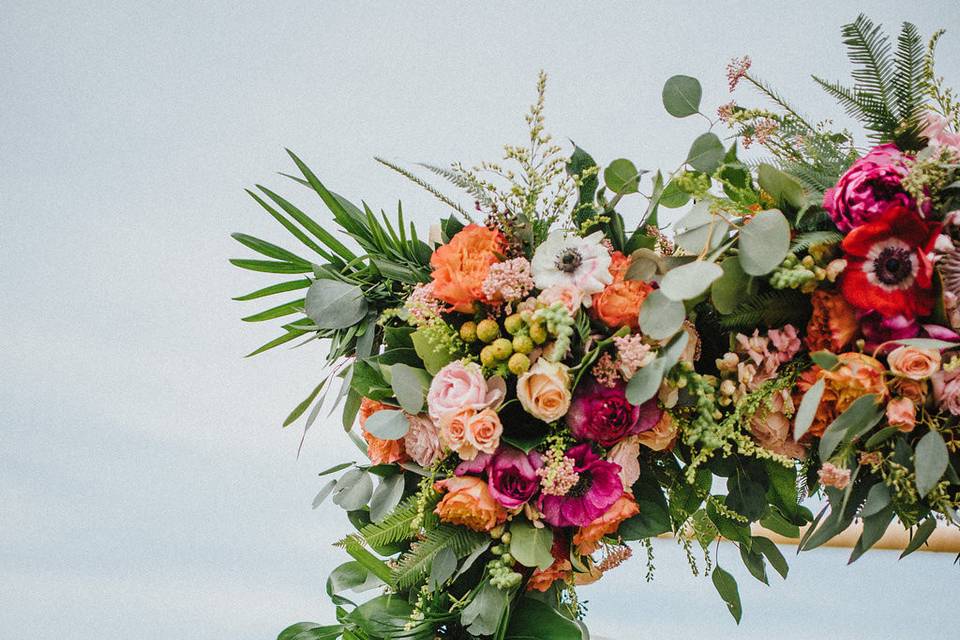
x=902, y=413
x=544, y=390
x=662, y=436
x=461, y=266
x=833, y=324
x=856, y=375
x=587, y=538
x=470, y=432
x=380, y=451
x=913, y=362
x=468, y=502
x=618, y=305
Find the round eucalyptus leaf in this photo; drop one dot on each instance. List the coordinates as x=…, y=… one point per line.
x=706, y=153
x=409, y=385
x=764, y=242
x=353, y=490
x=730, y=289
x=681, y=96
x=690, y=280
x=661, y=317
x=673, y=196
x=386, y=497
x=530, y=545
x=622, y=176
x=645, y=383
x=332, y=304
x=388, y=424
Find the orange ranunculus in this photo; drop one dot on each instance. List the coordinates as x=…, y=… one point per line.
x=588, y=538
x=380, y=451
x=618, y=305
x=833, y=324
x=855, y=376
x=468, y=502
x=461, y=266
x=561, y=569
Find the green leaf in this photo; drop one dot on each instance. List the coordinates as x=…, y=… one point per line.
x=880, y=437
x=386, y=497
x=930, y=460
x=443, y=567
x=681, y=96
x=877, y=500
x=645, y=383
x=353, y=490
x=482, y=615
x=434, y=357
x=764, y=242
x=386, y=617
x=783, y=187
x=825, y=359
x=311, y=631
x=409, y=385
x=531, y=545
x=726, y=586
x=271, y=266
x=622, y=177
x=808, y=409
x=754, y=563
x=926, y=343
x=304, y=404
x=282, y=287
x=920, y=536
x=861, y=416
x=700, y=229
x=535, y=620
x=727, y=291
x=774, y=521
x=661, y=317
x=351, y=576
x=770, y=551
x=388, y=424
x=706, y=153
x=673, y=196
x=325, y=491
x=268, y=249
x=332, y=304
x=335, y=468
x=690, y=280
x=580, y=161
x=285, y=309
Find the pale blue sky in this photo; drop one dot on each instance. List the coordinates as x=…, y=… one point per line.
x=146, y=488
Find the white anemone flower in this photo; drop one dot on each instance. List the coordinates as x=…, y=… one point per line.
x=567, y=259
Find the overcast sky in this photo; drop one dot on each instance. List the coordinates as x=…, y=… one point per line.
x=146, y=488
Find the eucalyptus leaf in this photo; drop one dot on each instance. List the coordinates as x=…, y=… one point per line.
x=442, y=567
x=409, y=385
x=921, y=535
x=927, y=343
x=325, y=491
x=764, y=242
x=661, y=317
x=645, y=383
x=681, y=96
x=622, y=177
x=690, y=280
x=726, y=586
x=730, y=289
x=861, y=416
x=673, y=196
x=333, y=304
x=482, y=615
x=825, y=359
x=706, y=153
x=335, y=468
x=808, y=409
x=386, y=497
x=877, y=500
x=388, y=424
x=530, y=545
x=353, y=490
x=930, y=460
x=781, y=186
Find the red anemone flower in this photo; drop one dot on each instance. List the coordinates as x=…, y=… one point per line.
x=888, y=270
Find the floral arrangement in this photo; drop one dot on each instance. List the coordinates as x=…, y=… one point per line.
x=536, y=385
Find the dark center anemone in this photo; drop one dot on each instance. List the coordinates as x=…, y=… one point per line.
x=893, y=265
x=569, y=261
x=583, y=485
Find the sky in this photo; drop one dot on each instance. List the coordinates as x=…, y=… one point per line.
x=146, y=487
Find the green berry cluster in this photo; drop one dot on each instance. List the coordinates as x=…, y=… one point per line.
x=560, y=324
x=502, y=575
x=505, y=352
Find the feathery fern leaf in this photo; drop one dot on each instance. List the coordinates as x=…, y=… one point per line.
x=396, y=527
x=415, y=564
x=463, y=181
x=771, y=309
x=811, y=238
x=423, y=184
x=908, y=84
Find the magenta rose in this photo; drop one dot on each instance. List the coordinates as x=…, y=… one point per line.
x=598, y=486
x=512, y=476
x=867, y=188
x=603, y=415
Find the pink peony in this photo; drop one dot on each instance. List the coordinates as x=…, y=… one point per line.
x=868, y=187
x=462, y=386
x=603, y=414
x=512, y=476
x=422, y=441
x=597, y=488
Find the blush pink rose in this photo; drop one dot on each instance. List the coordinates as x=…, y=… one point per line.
x=913, y=362
x=626, y=453
x=902, y=413
x=946, y=390
x=460, y=386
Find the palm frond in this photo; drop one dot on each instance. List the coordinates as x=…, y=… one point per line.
x=415, y=564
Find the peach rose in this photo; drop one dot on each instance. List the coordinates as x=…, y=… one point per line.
x=833, y=324
x=774, y=430
x=470, y=432
x=916, y=390
x=484, y=430
x=461, y=266
x=567, y=294
x=902, y=413
x=913, y=362
x=626, y=453
x=587, y=538
x=663, y=435
x=544, y=390
x=618, y=305
x=380, y=451
x=467, y=502
x=855, y=376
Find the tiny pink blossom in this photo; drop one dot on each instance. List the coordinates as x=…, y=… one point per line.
x=833, y=476
x=422, y=305
x=606, y=371
x=509, y=281
x=632, y=354
x=736, y=69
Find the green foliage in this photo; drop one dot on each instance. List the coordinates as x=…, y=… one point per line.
x=397, y=527
x=424, y=185
x=415, y=564
x=770, y=309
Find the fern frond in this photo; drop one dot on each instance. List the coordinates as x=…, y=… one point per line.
x=772, y=309
x=396, y=527
x=908, y=85
x=806, y=240
x=415, y=564
x=353, y=545
x=463, y=181
x=869, y=48
x=423, y=185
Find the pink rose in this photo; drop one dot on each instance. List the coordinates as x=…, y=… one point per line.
x=459, y=386
x=569, y=295
x=946, y=390
x=902, y=413
x=913, y=362
x=868, y=188
x=626, y=453
x=422, y=441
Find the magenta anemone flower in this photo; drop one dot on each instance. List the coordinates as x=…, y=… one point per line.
x=597, y=488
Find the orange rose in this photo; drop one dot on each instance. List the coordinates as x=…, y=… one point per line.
x=380, y=451
x=561, y=569
x=902, y=413
x=461, y=266
x=855, y=376
x=468, y=502
x=663, y=435
x=833, y=324
x=588, y=538
x=618, y=305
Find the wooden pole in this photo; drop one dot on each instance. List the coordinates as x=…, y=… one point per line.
x=942, y=540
